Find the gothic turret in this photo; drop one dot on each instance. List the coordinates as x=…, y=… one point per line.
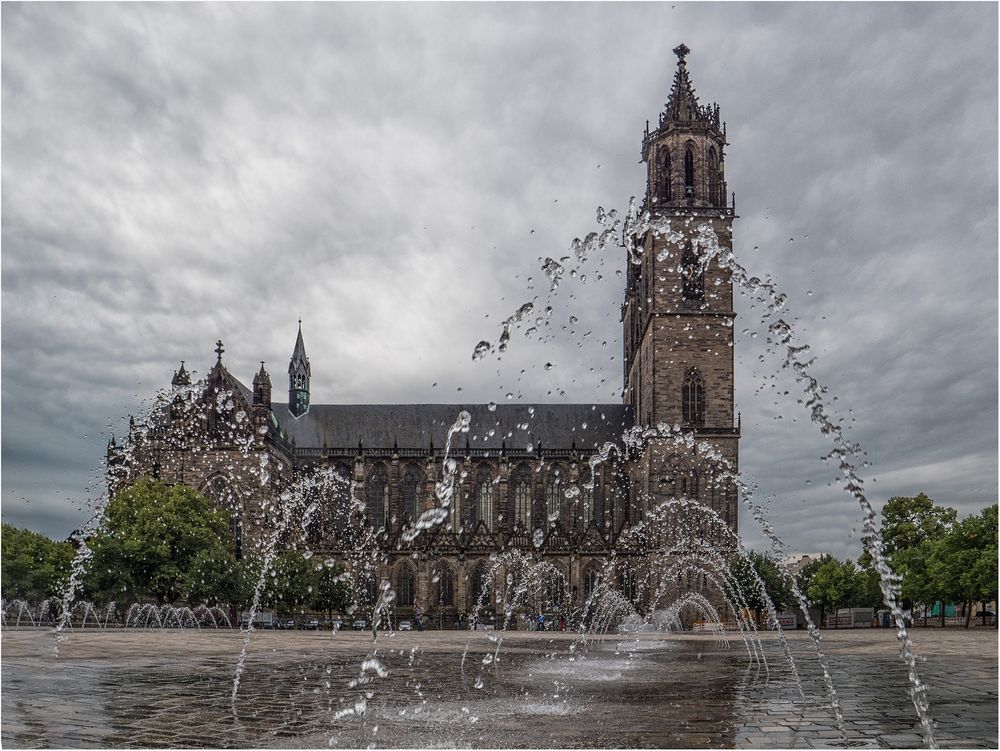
x=298, y=378
x=262, y=387
x=181, y=377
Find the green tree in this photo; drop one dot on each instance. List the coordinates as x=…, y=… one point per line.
x=214, y=578
x=746, y=570
x=34, y=567
x=330, y=590
x=907, y=522
x=151, y=536
x=291, y=583
x=831, y=584
x=963, y=564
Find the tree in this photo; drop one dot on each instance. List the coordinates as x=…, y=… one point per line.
x=34, y=567
x=907, y=522
x=291, y=581
x=152, y=535
x=746, y=570
x=213, y=579
x=330, y=590
x=831, y=584
x=964, y=564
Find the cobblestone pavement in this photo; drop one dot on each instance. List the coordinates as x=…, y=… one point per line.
x=442, y=689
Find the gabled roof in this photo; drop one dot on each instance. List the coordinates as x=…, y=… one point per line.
x=417, y=426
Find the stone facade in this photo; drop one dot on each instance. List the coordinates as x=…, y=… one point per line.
x=243, y=449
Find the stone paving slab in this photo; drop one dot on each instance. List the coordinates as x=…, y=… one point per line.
x=443, y=689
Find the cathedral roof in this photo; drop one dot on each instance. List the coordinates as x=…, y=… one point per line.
x=419, y=425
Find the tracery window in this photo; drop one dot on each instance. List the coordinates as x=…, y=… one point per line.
x=413, y=479
x=591, y=577
x=713, y=177
x=627, y=584
x=484, y=498
x=555, y=588
x=523, y=496
x=693, y=398
x=665, y=193
x=553, y=495
x=444, y=587
x=689, y=172
x=405, y=585
x=378, y=496
x=478, y=585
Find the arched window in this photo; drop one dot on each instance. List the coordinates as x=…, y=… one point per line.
x=378, y=496
x=664, y=158
x=627, y=584
x=688, y=172
x=553, y=495
x=444, y=586
x=405, y=585
x=693, y=398
x=591, y=577
x=713, y=177
x=555, y=588
x=341, y=510
x=587, y=510
x=523, y=496
x=692, y=275
x=484, y=498
x=413, y=479
x=478, y=586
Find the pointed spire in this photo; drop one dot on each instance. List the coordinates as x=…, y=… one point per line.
x=682, y=105
x=181, y=377
x=219, y=349
x=299, y=373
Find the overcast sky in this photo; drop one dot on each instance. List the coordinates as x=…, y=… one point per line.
x=392, y=174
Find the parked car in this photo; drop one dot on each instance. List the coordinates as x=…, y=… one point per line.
x=360, y=624
x=336, y=624
x=288, y=624
x=312, y=624
x=405, y=626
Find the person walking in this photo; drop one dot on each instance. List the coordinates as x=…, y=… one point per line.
x=418, y=616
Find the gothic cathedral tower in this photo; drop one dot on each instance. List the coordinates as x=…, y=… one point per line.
x=678, y=312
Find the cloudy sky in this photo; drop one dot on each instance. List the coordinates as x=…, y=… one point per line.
x=392, y=174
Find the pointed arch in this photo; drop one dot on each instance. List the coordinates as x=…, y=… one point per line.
x=405, y=584
x=554, y=494
x=443, y=585
x=485, y=498
x=522, y=496
x=377, y=491
x=713, y=177
x=689, y=171
x=693, y=397
x=663, y=163
x=413, y=481
x=591, y=578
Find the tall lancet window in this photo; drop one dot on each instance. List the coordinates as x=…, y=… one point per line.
x=484, y=498
x=664, y=193
x=689, y=172
x=523, y=497
x=693, y=398
x=692, y=275
x=413, y=478
x=713, y=178
x=378, y=496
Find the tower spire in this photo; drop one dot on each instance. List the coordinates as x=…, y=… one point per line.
x=682, y=104
x=299, y=373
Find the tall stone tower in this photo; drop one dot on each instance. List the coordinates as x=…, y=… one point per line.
x=678, y=311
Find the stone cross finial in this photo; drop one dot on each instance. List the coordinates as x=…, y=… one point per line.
x=681, y=51
x=219, y=349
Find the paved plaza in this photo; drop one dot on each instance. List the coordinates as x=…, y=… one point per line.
x=445, y=689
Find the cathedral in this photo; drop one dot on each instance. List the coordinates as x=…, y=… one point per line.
x=523, y=477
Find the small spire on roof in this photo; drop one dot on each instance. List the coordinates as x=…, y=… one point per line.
x=219, y=349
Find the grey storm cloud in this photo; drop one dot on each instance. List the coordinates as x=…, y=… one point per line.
x=394, y=174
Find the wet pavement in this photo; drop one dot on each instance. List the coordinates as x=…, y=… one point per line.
x=446, y=689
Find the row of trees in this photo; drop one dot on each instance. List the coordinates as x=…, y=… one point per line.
x=171, y=544
x=937, y=557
